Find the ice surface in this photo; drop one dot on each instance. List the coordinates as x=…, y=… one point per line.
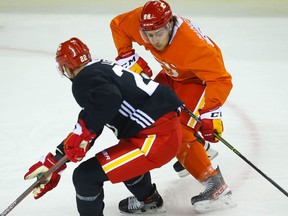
x=38, y=110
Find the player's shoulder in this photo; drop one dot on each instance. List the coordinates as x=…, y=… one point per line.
x=101, y=64
x=94, y=69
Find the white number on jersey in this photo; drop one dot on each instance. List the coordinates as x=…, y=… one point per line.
x=149, y=87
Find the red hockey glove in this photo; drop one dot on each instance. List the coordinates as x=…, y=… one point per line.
x=45, y=163
x=78, y=142
x=131, y=61
x=211, y=122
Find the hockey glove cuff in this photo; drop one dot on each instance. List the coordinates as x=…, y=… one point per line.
x=78, y=142
x=131, y=61
x=211, y=121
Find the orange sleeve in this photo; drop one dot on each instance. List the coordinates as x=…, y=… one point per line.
x=125, y=30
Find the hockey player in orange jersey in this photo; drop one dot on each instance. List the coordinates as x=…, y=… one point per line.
x=193, y=67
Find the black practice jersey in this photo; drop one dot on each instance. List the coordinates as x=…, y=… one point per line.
x=122, y=100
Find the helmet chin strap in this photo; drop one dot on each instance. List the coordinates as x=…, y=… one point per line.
x=72, y=73
x=75, y=72
x=68, y=73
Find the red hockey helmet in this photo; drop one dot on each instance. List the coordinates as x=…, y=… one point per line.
x=155, y=15
x=72, y=54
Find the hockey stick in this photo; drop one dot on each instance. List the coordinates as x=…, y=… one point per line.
x=237, y=152
x=40, y=179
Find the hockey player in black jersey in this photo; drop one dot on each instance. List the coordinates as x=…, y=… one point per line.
x=141, y=113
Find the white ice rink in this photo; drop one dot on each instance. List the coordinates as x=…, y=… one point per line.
x=38, y=110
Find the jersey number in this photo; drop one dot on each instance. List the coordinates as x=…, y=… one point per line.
x=148, y=87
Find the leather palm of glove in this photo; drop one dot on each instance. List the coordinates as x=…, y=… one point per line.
x=40, y=168
x=132, y=61
x=211, y=122
x=78, y=142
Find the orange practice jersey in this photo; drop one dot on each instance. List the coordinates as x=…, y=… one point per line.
x=190, y=56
